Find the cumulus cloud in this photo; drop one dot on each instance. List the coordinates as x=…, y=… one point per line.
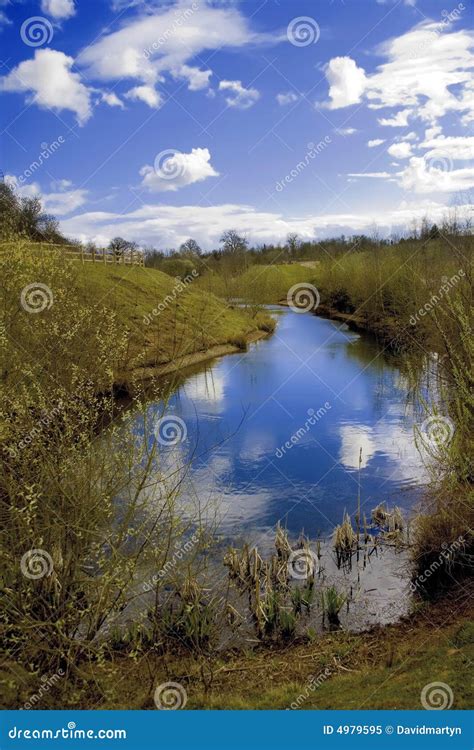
x=400, y=150
x=60, y=9
x=112, y=99
x=375, y=142
x=174, y=170
x=284, y=99
x=347, y=82
x=240, y=97
x=346, y=131
x=49, y=82
x=197, y=79
x=146, y=94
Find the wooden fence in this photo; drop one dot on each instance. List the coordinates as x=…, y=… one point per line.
x=85, y=255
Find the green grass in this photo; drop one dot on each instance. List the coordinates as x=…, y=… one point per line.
x=259, y=284
x=385, y=668
x=165, y=321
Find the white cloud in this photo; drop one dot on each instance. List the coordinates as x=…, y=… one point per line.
x=146, y=94
x=452, y=147
x=284, y=99
x=197, y=79
x=372, y=175
x=426, y=73
x=110, y=98
x=60, y=203
x=375, y=142
x=346, y=131
x=435, y=176
x=400, y=150
x=164, y=39
x=176, y=170
x=399, y=120
x=60, y=9
x=50, y=83
x=240, y=97
x=169, y=226
x=347, y=82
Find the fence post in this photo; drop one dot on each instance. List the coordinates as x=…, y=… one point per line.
x=82, y=255
x=103, y=253
x=93, y=254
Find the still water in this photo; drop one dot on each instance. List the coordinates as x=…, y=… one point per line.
x=287, y=432
x=277, y=433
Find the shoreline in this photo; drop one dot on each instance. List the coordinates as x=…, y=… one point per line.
x=149, y=372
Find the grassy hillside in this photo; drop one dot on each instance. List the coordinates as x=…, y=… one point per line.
x=160, y=318
x=259, y=284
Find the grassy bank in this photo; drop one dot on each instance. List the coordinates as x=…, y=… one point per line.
x=384, y=668
x=259, y=284
x=160, y=319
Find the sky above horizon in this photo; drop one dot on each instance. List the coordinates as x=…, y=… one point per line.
x=160, y=121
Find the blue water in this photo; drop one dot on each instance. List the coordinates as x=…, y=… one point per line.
x=240, y=410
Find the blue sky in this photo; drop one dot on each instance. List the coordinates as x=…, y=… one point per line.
x=163, y=120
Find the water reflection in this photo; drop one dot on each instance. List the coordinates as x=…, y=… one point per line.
x=255, y=457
